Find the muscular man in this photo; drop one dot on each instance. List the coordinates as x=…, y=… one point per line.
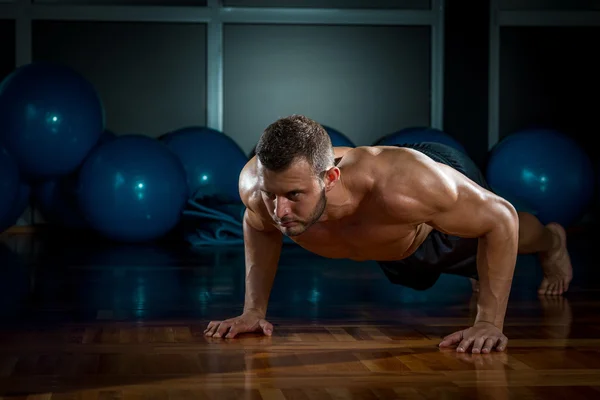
x=418, y=210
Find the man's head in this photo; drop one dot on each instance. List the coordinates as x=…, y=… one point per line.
x=295, y=169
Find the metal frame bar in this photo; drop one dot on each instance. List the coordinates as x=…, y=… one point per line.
x=549, y=18
x=214, y=68
x=437, y=65
x=23, y=32
x=494, y=77
x=316, y=16
x=122, y=13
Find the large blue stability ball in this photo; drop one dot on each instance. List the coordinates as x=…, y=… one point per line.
x=338, y=139
x=543, y=172
x=212, y=161
x=50, y=118
x=132, y=189
x=417, y=135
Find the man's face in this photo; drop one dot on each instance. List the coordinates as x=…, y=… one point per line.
x=295, y=198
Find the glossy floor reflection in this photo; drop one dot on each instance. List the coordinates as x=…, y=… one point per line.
x=85, y=319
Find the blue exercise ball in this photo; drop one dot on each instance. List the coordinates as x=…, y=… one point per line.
x=420, y=135
x=9, y=184
x=338, y=139
x=132, y=189
x=212, y=161
x=543, y=172
x=50, y=118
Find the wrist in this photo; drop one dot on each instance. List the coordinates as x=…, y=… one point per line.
x=498, y=323
x=256, y=311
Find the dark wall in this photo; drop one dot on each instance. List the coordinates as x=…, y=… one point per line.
x=365, y=81
x=7, y=47
x=466, y=75
x=550, y=77
x=150, y=76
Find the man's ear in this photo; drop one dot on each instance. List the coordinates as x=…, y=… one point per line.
x=332, y=176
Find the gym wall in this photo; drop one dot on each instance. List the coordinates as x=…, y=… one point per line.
x=7, y=46
x=364, y=80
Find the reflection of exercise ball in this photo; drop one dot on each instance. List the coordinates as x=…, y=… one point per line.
x=14, y=283
x=543, y=172
x=133, y=280
x=419, y=135
x=132, y=188
x=50, y=118
x=9, y=186
x=212, y=161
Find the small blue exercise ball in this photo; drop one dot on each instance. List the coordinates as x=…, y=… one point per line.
x=132, y=189
x=212, y=161
x=50, y=118
x=417, y=135
x=543, y=172
x=338, y=139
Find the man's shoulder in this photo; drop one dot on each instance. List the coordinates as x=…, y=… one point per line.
x=372, y=166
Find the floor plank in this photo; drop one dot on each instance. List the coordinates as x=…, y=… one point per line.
x=83, y=320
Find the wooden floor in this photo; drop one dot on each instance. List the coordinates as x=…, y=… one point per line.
x=88, y=320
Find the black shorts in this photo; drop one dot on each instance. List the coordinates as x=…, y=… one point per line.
x=439, y=253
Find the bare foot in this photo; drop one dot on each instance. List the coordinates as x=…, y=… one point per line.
x=556, y=264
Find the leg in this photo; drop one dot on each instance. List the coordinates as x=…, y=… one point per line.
x=550, y=243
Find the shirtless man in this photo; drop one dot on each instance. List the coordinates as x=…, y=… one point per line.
x=418, y=210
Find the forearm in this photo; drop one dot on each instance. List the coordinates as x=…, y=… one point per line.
x=496, y=261
x=263, y=250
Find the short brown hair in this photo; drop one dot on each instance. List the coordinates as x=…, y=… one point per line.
x=295, y=137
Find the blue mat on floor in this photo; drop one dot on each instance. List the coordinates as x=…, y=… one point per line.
x=213, y=223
